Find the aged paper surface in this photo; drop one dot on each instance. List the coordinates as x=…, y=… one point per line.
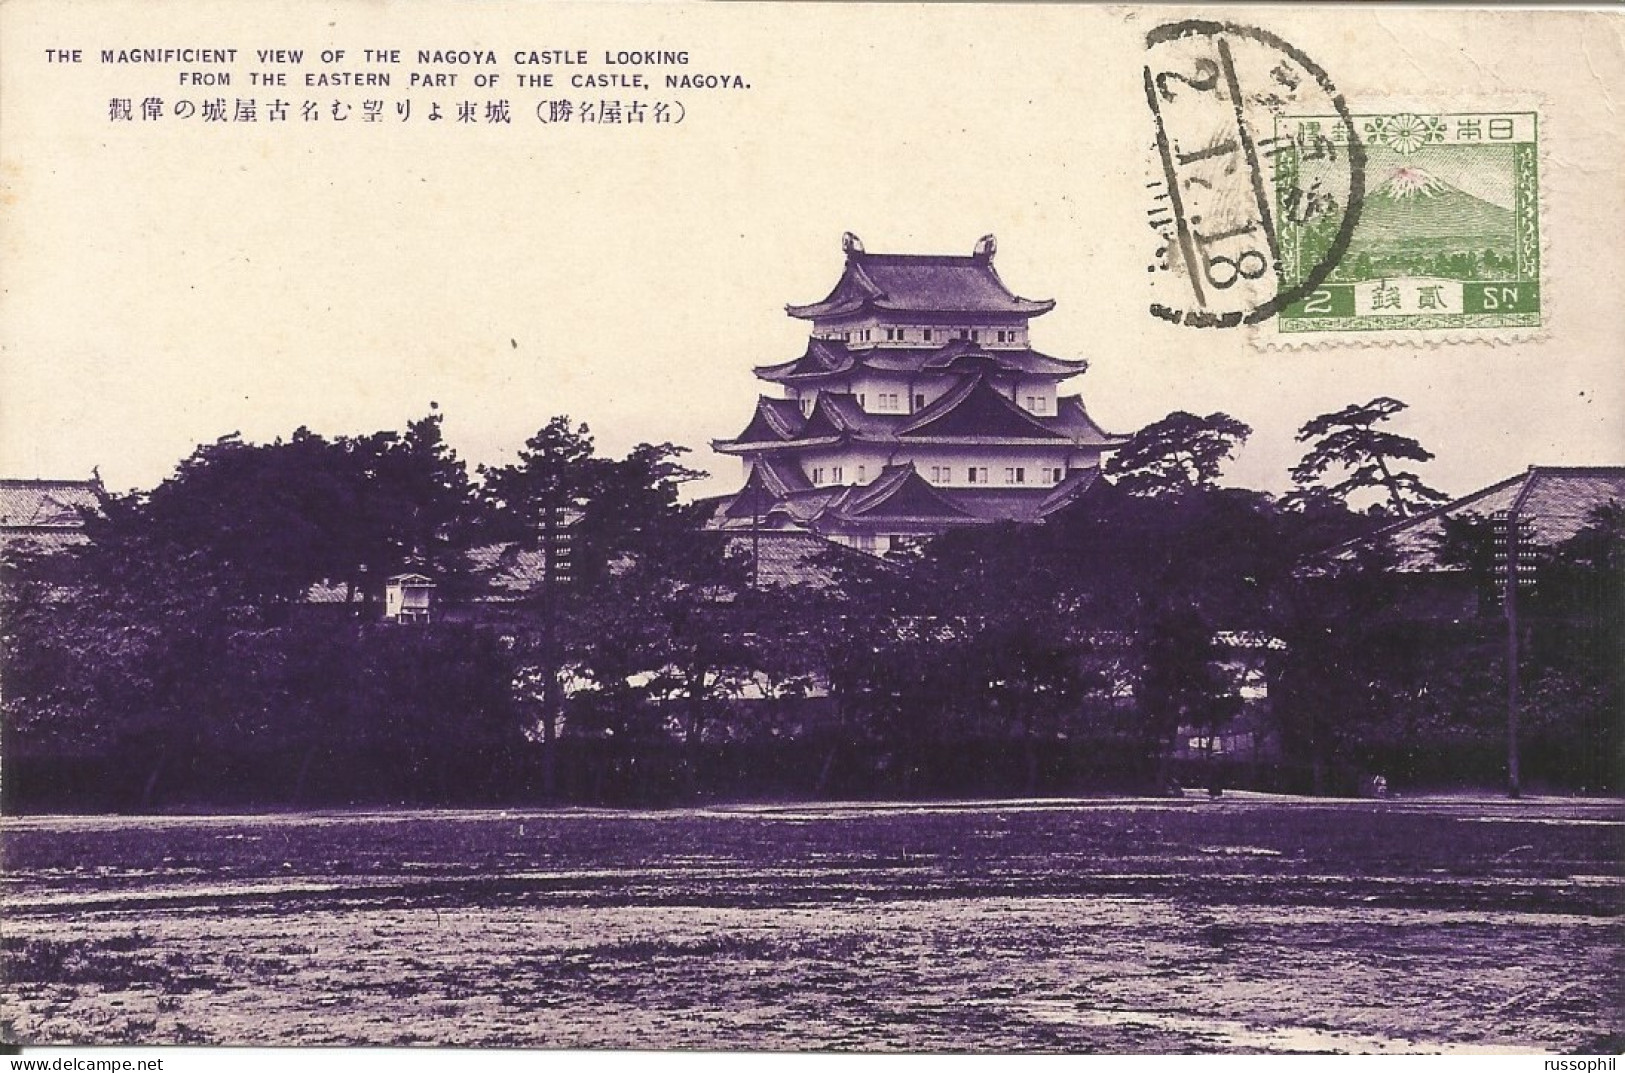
x=228, y=263
x=219, y=216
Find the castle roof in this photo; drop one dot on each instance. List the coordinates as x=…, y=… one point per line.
x=827, y=358
x=900, y=492
x=898, y=499
x=919, y=283
x=774, y=421
x=974, y=412
x=771, y=480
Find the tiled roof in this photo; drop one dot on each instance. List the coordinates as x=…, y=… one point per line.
x=900, y=492
x=799, y=558
x=919, y=283
x=1073, y=419
x=774, y=421
x=974, y=410
x=823, y=357
x=1558, y=502
x=45, y=503
x=43, y=515
x=845, y=415
x=1073, y=485
x=901, y=497
x=826, y=358
x=770, y=481
x=1022, y=504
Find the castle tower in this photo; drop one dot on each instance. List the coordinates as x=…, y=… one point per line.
x=917, y=407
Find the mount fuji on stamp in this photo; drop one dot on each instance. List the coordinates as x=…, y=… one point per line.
x=1448, y=232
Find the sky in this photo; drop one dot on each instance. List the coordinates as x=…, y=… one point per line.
x=165, y=283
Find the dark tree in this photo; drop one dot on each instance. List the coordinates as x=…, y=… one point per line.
x=1177, y=454
x=613, y=540
x=253, y=526
x=557, y=473
x=1366, y=459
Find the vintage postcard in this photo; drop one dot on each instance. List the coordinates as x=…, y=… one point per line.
x=812, y=527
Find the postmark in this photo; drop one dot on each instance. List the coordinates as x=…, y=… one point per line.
x=1449, y=237
x=1217, y=92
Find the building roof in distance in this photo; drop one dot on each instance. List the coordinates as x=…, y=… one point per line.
x=919, y=283
x=38, y=503
x=797, y=557
x=1557, y=501
x=45, y=515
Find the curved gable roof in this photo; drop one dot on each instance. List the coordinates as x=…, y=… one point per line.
x=1073, y=419
x=822, y=357
x=775, y=421
x=900, y=492
x=974, y=410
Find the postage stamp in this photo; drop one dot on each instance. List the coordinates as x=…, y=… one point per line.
x=1447, y=236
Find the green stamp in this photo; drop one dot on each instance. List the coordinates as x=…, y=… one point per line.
x=1449, y=229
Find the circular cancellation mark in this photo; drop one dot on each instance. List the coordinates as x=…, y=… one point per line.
x=1225, y=170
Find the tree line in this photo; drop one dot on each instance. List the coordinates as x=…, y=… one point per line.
x=175, y=659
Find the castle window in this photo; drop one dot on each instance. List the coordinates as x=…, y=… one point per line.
x=1055, y=475
x=818, y=475
x=806, y=406
x=861, y=402
x=1015, y=475
x=919, y=402
x=1041, y=405
x=939, y=475
x=976, y=475
x=835, y=475
x=926, y=334
x=863, y=474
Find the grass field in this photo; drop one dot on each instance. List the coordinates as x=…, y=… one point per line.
x=1242, y=924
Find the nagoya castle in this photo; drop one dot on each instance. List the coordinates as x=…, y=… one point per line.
x=918, y=406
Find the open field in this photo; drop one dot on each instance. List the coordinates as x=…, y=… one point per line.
x=1246, y=923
